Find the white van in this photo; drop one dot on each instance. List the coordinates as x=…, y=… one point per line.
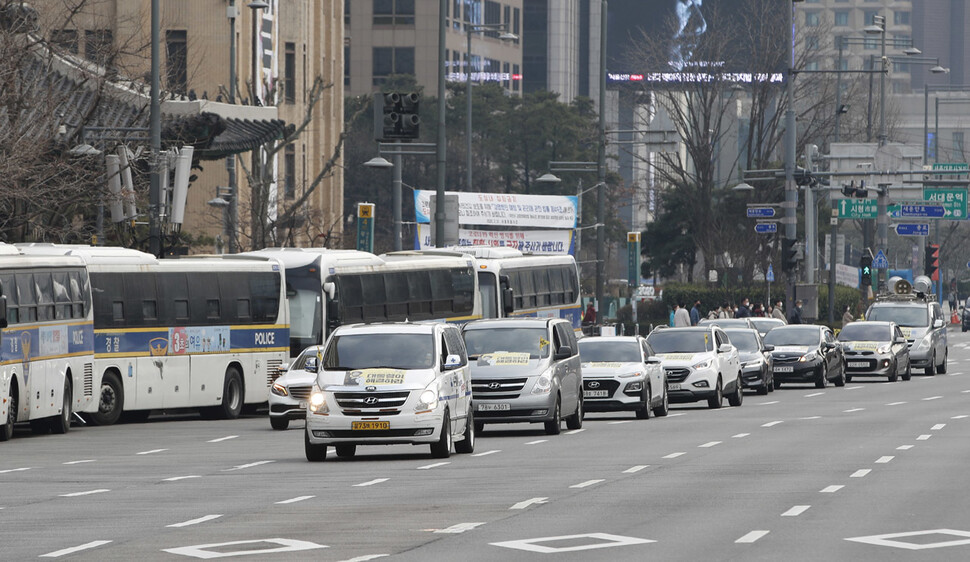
x=390, y=383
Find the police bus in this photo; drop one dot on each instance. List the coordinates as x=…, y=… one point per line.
x=46, y=342
x=327, y=288
x=207, y=333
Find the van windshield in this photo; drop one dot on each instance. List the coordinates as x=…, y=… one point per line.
x=533, y=341
x=392, y=351
x=909, y=316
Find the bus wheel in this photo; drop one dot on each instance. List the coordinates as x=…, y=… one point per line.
x=6, y=430
x=112, y=400
x=232, y=395
x=62, y=423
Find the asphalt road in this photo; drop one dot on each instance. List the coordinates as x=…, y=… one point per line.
x=872, y=471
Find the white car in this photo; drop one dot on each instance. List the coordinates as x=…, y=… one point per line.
x=622, y=373
x=700, y=363
x=290, y=392
x=390, y=383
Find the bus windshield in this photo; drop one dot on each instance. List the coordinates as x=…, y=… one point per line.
x=488, y=291
x=390, y=351
x=304, y=294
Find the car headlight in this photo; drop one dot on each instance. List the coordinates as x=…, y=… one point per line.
x=543, y=384
x=703, y=364
x=884, y=348
x=429, y=398
x=630, y=375
x=925, y=342
x=318, y=402
x=754, y=363
x=810, y=356
x=279, y=390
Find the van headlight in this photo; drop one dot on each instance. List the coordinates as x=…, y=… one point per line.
x=429, y=398
x=925, y=342
x=318, y=402
x=543, y=384
x=279, y=389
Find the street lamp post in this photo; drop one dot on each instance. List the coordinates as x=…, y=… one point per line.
x=398, y=149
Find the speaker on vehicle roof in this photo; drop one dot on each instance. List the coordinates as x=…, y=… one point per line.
x=899, y=286
x=922, y=284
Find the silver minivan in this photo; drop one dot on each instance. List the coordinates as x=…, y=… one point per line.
x=525, y=370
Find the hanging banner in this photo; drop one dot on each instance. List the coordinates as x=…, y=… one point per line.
x=500, y=209
x=548, y=242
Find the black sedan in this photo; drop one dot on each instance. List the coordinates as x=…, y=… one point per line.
x=875, y=349
x=756, y=361
x=806, y=353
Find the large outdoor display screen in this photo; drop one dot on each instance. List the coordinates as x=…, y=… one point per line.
x=692, y=40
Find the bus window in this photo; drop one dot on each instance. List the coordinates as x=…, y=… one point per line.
x=488, y=293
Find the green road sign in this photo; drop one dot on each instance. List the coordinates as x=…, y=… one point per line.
x=950, y=166
x=858, y=208
x=954, y=201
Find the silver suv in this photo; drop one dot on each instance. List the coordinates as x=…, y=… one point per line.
x=921, y=320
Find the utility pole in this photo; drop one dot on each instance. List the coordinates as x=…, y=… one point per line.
x=155, y=134
x=791, y=190
x=601, y=166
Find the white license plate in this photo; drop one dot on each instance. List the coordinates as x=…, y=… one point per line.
x=785, y=369
x=673, y=386
x=494, y=407
x=862, y=364
x=303, y=405
x=596, y=394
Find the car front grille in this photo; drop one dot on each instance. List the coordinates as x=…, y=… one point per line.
x=677, y=374
x=497, y=389
x=299, y=392
x=608, y=385
x=371, y=403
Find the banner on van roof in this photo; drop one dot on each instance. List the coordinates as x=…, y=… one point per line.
x=549, y=242
x=504, y=209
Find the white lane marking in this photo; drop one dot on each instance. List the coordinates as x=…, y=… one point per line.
x=153, y=451
x=923, y=437
x=814, y=394
x=636, y=468
x=709, y=444
x=959, y=417
x=740, y=435
x=250, y=465
x=860, y=473
x=528, y=502
x=587, y=541
x=955, y=374
x=675, y=415
x=898, y=540
x=459, y=528
x=938, y=426
x=884, y=460
x=575, y=431
x=81, y=462
x=673, y=455
x=492, y=452
x=895, y=403
x=73, y=549
x=933, y=398
x=587, y=483
x=852, y=410
x=619, y=422
x=767, y=403
x=771, y=424
x=296, y=499
x=177, y=478
x=536, y=442
x=904, y=447
x=965, y=391
x=195, y=521
x=256, y=546
x=831, y=489
x=751, y=537
x=226, y=438
x=854, y=387
x=87, y=493
x=365, y=558
x=371, y=482
x=811, y=418
x=433, y=465
x=796, y=510
x=14, y=470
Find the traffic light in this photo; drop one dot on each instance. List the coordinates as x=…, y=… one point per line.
x=865, y=264
x=396, y=116
x=852, y=191
x=789, y=255
x=932, y=269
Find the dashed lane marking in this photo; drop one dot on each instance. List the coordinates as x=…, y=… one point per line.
x=620, y=422
x=177, y=478
x=587, y=483
x=226, y=438
x=536, y=442
x=852, y=410
x=529, y=502
x=938, y=427
x=14, y=470
x=740, y=435
x=492, y=452
x=294, y=500
x=772, y=424
x=86, y=493
x=73, y=549
x=924, y=437
x=249, y=465
x=811, y=418
x=812, y=395
x=81, y=462
x=433, y=465
x=190, y=522
x=854, y=387
x=831, y=489
x=673, y=455
x=371, y=482
x=459, y=528
x=575, y=431
x=675, y=415
x=960, y=417
x=895, y=403
x=768, y=403
x=152, y=452
x=933, y=398
x=884, y=460
x=861, y=473
x=365, y=558
x=636, y=468
x=796, y=510
x=904, y=447
x=709, y=444
x=751, y=537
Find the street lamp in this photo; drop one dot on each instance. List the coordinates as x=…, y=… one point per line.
x=469, y=29
x=550, y=178
x=926, y=113
x=381, y=163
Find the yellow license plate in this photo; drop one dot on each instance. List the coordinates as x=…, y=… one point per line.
x=370, y=425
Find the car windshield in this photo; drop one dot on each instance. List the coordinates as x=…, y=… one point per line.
x=732, y=322
x=598, y=351
x=789, y=335
x=861, y=331
x=744, y=341
x=534, y=341
x=681, y=341
x=366, y=351
x=910, y=316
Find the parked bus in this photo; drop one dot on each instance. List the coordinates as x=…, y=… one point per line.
x=46, y=342
x=207, y=333
x=326, y=288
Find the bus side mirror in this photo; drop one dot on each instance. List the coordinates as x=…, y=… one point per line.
x=333, y=315
x=3, y=312
x=507, y=303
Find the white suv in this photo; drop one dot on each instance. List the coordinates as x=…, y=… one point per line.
x=382, y=384
x=700, y=363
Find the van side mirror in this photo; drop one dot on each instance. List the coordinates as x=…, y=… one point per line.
x=938, y=323
x=564, y=352
x=453, y=361
x=3, y=312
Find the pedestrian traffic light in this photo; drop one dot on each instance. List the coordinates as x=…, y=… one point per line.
x=396, y=116
x=789, y=255
x=932, y=269
x=865, y=265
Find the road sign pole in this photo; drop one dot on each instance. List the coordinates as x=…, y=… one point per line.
x=832, y=261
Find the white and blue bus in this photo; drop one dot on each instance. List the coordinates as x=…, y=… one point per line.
x=326, y=288
x=46, y=342
x=207, y=333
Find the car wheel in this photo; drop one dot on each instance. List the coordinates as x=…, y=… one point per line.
x=841, y=380
x=821, y=381
x=942, y=367
x=554, y=426
x=894, y=374
x=314, y=453
x=909, y=371
x=771, y=382
x=717, y=400
x=112, y=400
x=664, y=407
x=442, y=448
x=467, y=443
x=279, y=423
x=764, y=388
x=737, y=398
x=575, y=421
x=643, y=412
x=931, y=367
x=346, y=450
